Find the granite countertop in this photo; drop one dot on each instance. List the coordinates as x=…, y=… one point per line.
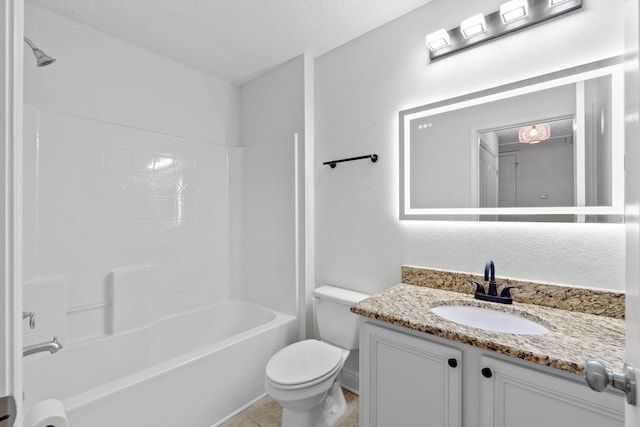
x=573, y=336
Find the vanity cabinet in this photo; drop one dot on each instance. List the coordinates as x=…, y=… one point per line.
x=408, y=381
x=409, y=378
x=517, y=396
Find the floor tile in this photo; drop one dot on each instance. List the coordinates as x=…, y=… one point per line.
x=351, y=418
x=241, y=420
x=266, y=412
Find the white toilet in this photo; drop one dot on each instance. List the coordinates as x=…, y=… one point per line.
x=304, y=377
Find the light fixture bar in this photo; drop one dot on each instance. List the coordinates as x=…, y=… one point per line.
x=473, y=26
x=514, y=10
x=538, y=11
x=438, y=40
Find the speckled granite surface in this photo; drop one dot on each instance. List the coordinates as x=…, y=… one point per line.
x=573, y=336
x=592, y=301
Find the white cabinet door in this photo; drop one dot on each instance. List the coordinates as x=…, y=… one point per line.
x=407, y=381
x=517, y=396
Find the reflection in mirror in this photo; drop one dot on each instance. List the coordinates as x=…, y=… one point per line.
x=527, y=165
x=548, y=149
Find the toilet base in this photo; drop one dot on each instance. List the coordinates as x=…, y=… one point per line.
x=327, y=414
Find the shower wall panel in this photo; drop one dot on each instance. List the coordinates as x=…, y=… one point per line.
x=268, y=227
x=100, y=197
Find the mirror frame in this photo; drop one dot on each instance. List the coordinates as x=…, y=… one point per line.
x=614, y=213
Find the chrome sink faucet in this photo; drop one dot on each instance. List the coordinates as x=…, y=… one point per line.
x=492, y=295
x=52, y=347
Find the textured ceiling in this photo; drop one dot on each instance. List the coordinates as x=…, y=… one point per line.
x=233, y=39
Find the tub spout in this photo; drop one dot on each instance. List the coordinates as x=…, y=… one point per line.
x=52, y=347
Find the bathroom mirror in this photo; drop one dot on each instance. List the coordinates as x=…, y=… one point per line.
x=549, y=148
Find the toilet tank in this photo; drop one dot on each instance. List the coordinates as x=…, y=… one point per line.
x=336, y=324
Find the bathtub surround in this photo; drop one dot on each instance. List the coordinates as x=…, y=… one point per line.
x=268, y=251
x=126, y=234
x=129, y=294
x=113, y=209
x=47, y=296
x=126, y=243
x=128, y=231
x=276, y=108
x=144, y=212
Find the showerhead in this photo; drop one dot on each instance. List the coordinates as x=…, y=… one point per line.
x=42, y=59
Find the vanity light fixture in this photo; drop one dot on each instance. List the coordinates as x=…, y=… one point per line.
x=473, y=26
x=513, y=15
x=513, y=10
x=438, y=40
x=534, y=133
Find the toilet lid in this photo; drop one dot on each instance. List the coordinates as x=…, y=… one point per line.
x=303, y=362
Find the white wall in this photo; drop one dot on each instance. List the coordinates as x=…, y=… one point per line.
x=546, y=171
x=272, y=105
x=272, y=111
x=361, y=86
x=101, y=77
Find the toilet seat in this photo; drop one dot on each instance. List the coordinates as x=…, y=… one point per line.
x=303, y=364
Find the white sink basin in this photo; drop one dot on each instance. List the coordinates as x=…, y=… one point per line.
x=491, y=320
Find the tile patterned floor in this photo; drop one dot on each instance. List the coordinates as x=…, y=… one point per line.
x=267, y=413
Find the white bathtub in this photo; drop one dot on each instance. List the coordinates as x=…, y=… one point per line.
x=188, y=370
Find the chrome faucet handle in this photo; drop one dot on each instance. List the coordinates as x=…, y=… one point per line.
x=32, y=318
